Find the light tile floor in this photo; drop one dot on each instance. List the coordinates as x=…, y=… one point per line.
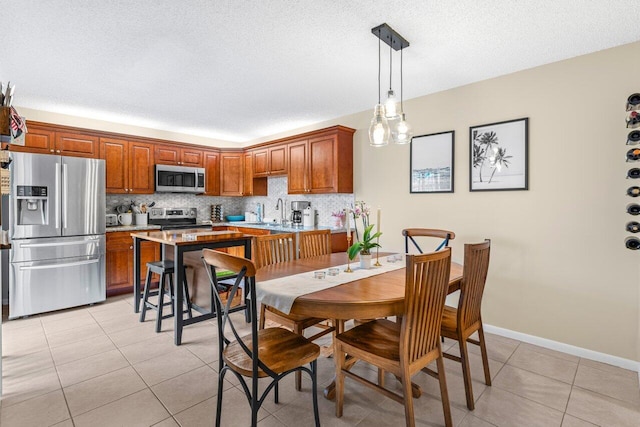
x=98, y=366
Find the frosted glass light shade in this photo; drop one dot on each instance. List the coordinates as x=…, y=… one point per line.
x=402, y=132
x=391, y=107
x=379, y=131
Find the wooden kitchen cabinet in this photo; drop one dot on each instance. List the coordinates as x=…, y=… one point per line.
x=119, y=255
x=270, y=161
x=321, y=164
x=168, y=155
x=129, y=166
x=42, y=139
x=231, y=173
x=212, y=173
x=251, y=185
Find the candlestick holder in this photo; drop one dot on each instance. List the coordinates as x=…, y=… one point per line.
x=377, y=264
x=348, y=269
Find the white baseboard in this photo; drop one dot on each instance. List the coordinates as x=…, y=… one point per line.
x=565, y=348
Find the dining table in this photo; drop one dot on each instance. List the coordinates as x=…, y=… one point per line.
x=182, y=241
x=356, y=297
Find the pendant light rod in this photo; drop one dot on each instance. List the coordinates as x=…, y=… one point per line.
x=379, y=38
x=388, y=35
x=401, y=88
x=390, y=65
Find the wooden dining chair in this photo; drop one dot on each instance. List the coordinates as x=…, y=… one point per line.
x=460, y=323
x=272, y=249
x=410, y=233
x=266, y=353
x=408, y=347
x=314, y=243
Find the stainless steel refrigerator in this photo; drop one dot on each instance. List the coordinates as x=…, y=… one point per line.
x=57, y=226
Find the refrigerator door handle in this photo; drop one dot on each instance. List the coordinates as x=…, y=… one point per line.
x=48, y=245
x=68, y=264
x=57, y=201
x=65, y=190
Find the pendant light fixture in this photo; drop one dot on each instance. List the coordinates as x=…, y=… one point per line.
x=389, y=119
x=402, y=131
x=379, y=132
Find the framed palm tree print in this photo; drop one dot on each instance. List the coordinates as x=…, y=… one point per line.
x=499, y=156
x=432, y=163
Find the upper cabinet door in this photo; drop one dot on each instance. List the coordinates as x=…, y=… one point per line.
x=116, y=156
x=77, y=145
x=38, y=140
x=191, y=157
x=141, y=168
x=322, y=165
x=261, y=162
x=212, y=173
x=278, y=160
x=298, y=165
x=167, y=155
x=231, y=173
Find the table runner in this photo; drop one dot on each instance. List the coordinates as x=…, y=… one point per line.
x=281, y=293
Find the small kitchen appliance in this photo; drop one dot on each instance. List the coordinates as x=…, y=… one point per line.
x=112, y=220
x=308, y=217
x=297, y=209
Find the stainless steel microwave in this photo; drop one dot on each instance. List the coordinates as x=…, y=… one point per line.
x=179, y=179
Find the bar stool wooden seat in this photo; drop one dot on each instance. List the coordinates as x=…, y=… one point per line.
x=163, y=268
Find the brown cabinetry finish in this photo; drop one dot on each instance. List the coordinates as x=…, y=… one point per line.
x=129, y=166
x=168, y=155
x=231, y=173
x=42, y=140
x=252, y=186
x=270, y=161
x=212, y=173
x=38, y=140
x=321, y=164
x=119, y=256
x=77, y=145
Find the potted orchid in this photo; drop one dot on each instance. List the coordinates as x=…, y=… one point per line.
x=369, y=241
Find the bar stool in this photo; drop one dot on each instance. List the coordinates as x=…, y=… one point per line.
x=163, y=268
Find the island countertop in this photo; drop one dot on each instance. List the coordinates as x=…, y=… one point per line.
x=188, y=236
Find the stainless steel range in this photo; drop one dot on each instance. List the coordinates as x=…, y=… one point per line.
x=175, y=218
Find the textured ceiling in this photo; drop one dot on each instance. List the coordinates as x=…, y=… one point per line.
x=238, y=70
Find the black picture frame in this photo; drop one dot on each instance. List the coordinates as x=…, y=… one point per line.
x=499, y=156
x=431, y=163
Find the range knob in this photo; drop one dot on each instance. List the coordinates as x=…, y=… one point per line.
x=633, y=209
x=633, y=138
x=633, y=155
x=633, y=191
x=633, y=226
x=633, y=120
x=632, y=243
x=633, y=173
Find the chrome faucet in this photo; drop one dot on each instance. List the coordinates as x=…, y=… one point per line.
x=280, y=207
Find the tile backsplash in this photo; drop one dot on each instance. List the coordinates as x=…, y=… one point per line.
x=325, y=204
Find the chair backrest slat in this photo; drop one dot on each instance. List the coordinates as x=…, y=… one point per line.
x=410, y=233
x=427, y=281
x=476, y=267
x=314, y=243
x=274, y=248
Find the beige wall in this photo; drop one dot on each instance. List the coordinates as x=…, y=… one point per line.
x=559, y=269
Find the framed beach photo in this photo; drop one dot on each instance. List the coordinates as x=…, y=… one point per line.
x=431, y=163
x=498, y=158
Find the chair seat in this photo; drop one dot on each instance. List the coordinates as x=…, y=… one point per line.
x=278, y=348
x=380, y=337
x=305, y=321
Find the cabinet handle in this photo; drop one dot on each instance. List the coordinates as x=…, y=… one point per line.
x=130, y=247
x=57, y=151
x=52, y=150
x=126, y=189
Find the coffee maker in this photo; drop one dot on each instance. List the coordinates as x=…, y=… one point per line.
x=296, y=212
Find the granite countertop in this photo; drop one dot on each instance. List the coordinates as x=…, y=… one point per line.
x=132, y=228
x=280, y=228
